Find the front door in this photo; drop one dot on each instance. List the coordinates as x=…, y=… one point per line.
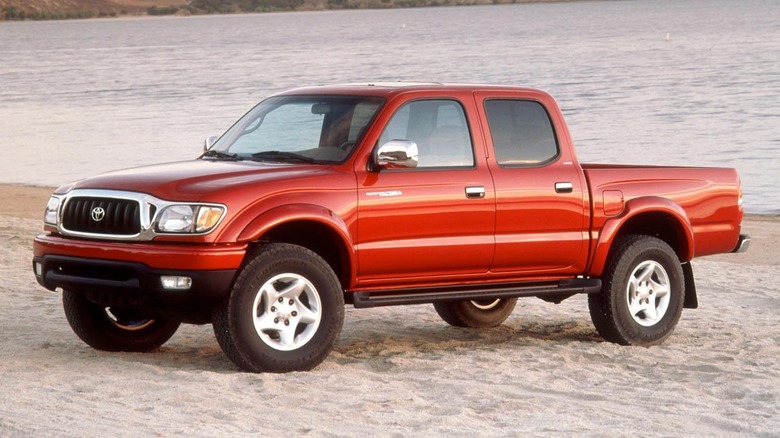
x=433, y=222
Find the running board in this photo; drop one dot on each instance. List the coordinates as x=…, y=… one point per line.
x=553, y=292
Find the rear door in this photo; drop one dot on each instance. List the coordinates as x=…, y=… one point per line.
x=541, y=199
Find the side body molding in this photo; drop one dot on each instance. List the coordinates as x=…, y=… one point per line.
x=636, y=209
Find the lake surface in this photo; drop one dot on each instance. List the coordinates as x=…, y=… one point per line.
x=648, y=82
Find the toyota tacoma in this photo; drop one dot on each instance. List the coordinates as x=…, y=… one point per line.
x=464, y=196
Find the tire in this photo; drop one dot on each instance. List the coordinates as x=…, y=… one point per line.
x=643, y=292
x=475, y=313
x=115, y=329
x=284, y=313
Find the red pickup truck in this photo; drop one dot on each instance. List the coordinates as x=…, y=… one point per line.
x=463, y=196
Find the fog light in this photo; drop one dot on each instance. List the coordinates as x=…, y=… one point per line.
x=175, y=282
x=38, y=269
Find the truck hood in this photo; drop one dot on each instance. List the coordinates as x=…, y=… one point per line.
x=192, y=180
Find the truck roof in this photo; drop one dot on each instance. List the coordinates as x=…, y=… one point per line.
x=392, y=88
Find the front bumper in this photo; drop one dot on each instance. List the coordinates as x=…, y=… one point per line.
x=126, y=284
x=129, y=274
x=156, y=255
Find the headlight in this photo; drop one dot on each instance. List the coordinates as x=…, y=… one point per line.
x=51, y=215
x=176, y=219
x=189, y=218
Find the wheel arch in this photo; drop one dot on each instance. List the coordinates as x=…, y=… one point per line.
x=310, y=226
x=652, y=216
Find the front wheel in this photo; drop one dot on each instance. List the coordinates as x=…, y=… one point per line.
x=643, y=293
x=475, y=313
x=115, y=328
x=284, y=313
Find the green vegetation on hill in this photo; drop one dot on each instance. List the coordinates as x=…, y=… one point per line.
x=13, y=13
x=54, y=10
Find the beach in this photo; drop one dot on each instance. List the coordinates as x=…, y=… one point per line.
x=401, y=371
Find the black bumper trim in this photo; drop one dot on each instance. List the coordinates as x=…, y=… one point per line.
x=112, y=282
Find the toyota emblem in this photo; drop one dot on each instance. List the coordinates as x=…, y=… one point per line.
x=98, y=213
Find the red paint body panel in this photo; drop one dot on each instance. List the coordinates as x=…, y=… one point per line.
x=704, y=201
x=416, y=227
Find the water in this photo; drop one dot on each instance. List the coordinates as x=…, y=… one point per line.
x=82, y=97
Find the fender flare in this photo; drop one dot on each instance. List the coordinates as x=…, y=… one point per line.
x=635, y=208
x=287, y=213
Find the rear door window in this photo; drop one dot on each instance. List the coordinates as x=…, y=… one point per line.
x=522, y=132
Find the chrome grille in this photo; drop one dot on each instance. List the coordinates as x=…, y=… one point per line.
x=119, y=216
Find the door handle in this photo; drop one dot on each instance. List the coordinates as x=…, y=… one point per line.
x=564, y=187
x=475, y=192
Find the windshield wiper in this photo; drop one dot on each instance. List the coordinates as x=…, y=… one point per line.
x=219, y=155
x=283, y=156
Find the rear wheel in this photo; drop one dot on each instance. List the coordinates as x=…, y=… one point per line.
x=643, y=293
x=476, y=313
x=284, y=313
x=115, y=328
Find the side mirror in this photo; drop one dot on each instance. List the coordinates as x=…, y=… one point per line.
x=397, y=154
x=209, y=142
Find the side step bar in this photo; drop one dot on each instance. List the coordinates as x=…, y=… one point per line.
x=553, y=292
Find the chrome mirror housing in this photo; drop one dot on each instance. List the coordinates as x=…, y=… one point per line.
x=209, y=142
x=397, y=154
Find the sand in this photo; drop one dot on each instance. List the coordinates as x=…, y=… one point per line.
x=402, y=371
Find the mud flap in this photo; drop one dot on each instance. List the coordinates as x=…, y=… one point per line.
x=691, y=300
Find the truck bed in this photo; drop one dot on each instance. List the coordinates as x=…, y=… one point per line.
x=710, y=198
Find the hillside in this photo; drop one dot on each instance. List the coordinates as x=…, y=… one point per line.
x=54, y=9
x=63, y=9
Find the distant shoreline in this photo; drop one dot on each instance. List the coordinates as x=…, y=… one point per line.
x=43, y=10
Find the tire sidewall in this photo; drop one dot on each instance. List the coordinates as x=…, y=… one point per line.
x=255, y=353
x=91, y=324
x=659, y=252
x=493, y=316
x=466, y=314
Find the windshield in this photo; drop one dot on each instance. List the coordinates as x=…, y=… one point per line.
x=298, y=129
